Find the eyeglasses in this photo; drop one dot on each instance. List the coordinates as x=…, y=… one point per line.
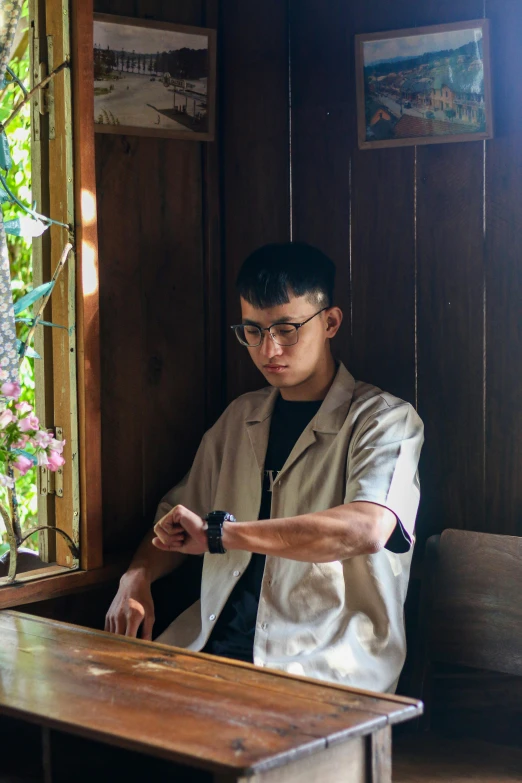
x=281, y=333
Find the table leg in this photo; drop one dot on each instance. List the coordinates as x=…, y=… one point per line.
x=380, y=756
x=46, y=755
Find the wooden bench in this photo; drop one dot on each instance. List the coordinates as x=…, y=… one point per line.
x=471, y=616
x=207, y=718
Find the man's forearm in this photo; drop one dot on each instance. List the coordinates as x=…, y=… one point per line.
x=152, y=563
x=322, y=537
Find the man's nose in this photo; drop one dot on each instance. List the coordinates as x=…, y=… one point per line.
x=268, y=347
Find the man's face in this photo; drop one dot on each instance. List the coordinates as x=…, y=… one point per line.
x=292, y=365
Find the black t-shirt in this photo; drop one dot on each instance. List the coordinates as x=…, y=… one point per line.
x=233, y=634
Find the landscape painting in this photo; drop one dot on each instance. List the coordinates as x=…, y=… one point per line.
x=424, y=85
x=153, y=78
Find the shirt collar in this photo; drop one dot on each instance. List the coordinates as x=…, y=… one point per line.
x=332, y=413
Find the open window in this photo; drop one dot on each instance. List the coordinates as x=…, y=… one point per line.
x=59, y=153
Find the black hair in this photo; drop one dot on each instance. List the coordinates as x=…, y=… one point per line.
x=274, y=272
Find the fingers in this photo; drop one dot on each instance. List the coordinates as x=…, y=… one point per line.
x=169, y=533
x=168, y=527
x=134, y=621
x=172, y=519
x=146, y=629
x=173, y=545
x=126, y=622
x=170, y=538
x=111, y=620
x=133, y=618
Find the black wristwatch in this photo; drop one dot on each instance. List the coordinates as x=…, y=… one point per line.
x=215, y=521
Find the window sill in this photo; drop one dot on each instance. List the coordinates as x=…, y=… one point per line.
x=55, y=582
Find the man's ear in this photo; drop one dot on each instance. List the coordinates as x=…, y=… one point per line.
x=334, y=319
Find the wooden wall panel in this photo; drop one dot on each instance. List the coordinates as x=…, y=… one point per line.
x=322, y=139
x=121, y=341
x=450, y=327
x=504, y=277
x=255, y=148
x=450, y=335
x=405, y=228
x=383, y=259
x=173, y=405
x=155, y=254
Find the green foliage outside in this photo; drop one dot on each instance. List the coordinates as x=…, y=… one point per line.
x=20, y=256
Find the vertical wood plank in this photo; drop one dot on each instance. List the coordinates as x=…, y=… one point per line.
x=87, y=299
x=43, y=339
x=383, y=254
x=255, y=147
x=504, y=277
x=213, y=256
x=450, y=273
x=61, y=204
x=450, y=335
x=171, y=239
x=121, y=328
x=322, y=138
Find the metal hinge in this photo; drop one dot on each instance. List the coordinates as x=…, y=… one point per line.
x=44, y=101
x=52, y=483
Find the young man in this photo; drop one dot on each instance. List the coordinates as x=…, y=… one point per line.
x=313, y=481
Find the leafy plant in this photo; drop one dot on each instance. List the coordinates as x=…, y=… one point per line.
x=20, y=250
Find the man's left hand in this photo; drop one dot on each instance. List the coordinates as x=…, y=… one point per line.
x=181, y=531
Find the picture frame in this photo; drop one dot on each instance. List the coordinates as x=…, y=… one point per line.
x=424, y=85
x=154, y=78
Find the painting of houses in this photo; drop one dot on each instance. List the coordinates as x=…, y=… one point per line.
x=424, y=85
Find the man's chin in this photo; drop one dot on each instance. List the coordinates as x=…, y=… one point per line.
x=280, y=381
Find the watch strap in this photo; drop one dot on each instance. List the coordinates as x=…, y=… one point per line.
x=215, y=520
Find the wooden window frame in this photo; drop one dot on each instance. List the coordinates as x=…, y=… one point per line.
x=72, y=197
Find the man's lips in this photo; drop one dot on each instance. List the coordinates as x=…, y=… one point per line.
x=275, y=367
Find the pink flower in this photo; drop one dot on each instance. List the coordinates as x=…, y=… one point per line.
x=22, y=443
x=6, y=417
x=23, y=464
x=43, y=438
x=23, y=407
x=57, y=445
x=10, y=389
x=55, y=461
x=29, y=423
x=41, y=459
x=6, y=481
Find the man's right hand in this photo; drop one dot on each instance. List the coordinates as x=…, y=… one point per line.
x=132, y=606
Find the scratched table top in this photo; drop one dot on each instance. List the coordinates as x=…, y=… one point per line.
x=195, y=709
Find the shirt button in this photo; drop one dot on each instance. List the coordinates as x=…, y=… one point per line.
x=264, y=626
x=236, y=573
x=212, y=617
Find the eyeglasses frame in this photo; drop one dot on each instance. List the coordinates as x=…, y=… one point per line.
x=277, y=323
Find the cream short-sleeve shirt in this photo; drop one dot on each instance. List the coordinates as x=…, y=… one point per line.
x=340, y=621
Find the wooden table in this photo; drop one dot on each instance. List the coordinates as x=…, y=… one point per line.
x=200, y=717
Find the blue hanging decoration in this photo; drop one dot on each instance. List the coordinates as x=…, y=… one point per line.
x=9, y=360
x=5, y=154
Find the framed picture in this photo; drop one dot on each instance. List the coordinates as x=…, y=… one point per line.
x=426, y=85
x=154, y=78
